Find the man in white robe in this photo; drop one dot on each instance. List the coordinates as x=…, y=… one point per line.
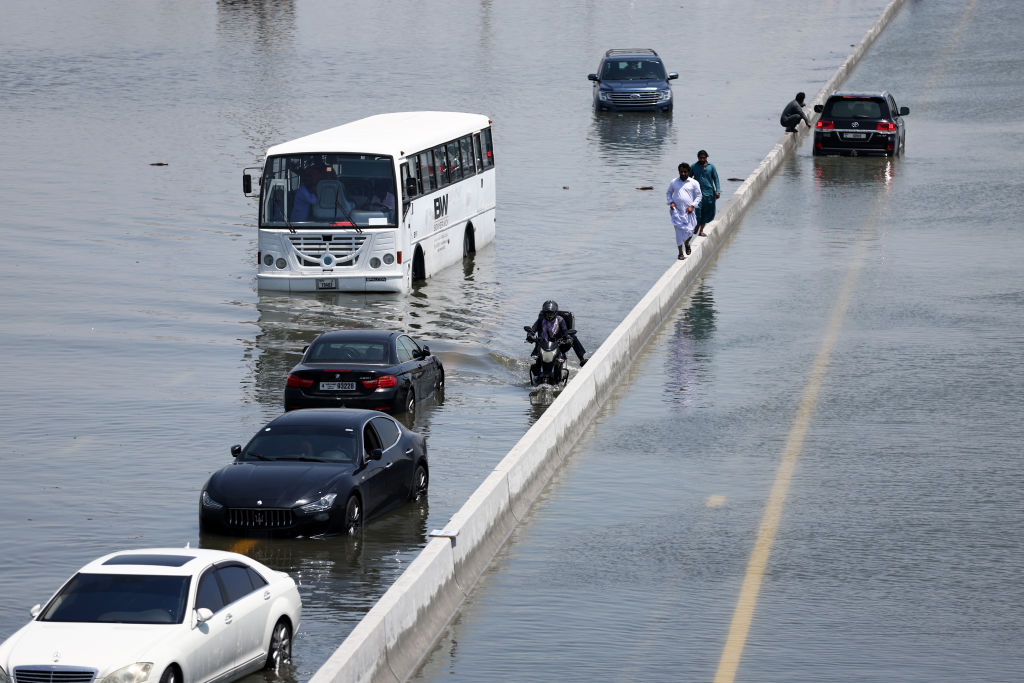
x=683, y=196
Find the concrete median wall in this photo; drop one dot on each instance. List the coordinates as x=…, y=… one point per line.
x=398, y=632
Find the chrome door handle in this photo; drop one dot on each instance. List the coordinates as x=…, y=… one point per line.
x=227, y=618
x=388, y=466
x=266, y=595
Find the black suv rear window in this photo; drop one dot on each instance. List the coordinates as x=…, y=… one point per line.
x=856, y=108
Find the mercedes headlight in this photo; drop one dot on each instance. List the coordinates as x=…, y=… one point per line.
x=133, y=673
x=324, y=503
x=4, y=678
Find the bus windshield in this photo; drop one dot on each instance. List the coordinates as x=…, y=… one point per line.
x=318, y=190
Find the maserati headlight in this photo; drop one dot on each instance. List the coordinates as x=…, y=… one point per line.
x=210, y=503
x=133, y=673
x=324, y=503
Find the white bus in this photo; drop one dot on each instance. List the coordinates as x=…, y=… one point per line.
x=376, y=204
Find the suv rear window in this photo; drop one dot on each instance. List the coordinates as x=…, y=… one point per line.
x=856, y=108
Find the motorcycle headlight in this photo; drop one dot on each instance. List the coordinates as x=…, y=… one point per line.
x=324, y=503
x=133, y=673
x=210, y=503
x=664, y=95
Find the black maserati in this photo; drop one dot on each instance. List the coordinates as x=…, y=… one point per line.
x=315, y=472
x=373, y=369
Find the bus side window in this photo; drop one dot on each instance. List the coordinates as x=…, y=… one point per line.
x=409, y=181
x=468, y=169
x=454, y=161
x=488, y=148
x=427, y=171
x=441, y=164
x=476, y=152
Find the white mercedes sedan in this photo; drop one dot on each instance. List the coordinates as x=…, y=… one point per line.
x=161, y=614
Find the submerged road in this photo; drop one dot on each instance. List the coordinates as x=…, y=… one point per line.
x=814, y=473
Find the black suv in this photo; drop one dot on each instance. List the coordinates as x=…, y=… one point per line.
x=860, y=123
x=632, y=80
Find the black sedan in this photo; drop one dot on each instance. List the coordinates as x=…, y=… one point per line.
x=315, y=472
x=856, y=123
x=373, y=369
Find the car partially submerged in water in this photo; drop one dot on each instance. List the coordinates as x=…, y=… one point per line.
x=315, y=472
x=172, y=615
x=633, y=79
x=860, y=123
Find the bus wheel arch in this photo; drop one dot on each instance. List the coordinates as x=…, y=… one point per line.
x=419, y=270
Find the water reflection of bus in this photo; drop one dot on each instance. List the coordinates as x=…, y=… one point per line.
x=375, y=204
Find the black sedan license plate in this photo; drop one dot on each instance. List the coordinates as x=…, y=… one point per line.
x=337, y=386
x=327, y=284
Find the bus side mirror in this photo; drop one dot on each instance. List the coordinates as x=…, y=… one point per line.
x=410, y=187
x=246, y=183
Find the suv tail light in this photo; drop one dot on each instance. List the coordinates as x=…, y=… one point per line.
x=824, y=125
x=382, y=382
x=886, y=125
x=298, y=382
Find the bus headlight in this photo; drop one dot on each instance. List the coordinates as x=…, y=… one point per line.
x=375, y=262
x=389, y=259
x=281, y=264
x=268, y=260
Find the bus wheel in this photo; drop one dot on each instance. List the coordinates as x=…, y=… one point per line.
x=418, y=270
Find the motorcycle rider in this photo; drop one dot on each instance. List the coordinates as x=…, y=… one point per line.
x=551, y=325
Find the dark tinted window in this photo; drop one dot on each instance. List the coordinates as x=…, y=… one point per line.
x=347, y=352
x=454, y=161
x=153, y=560
x=441, y=166
x=468, y=168
x=632, y=69
x=120, y=598
x=208, y=595
x=855, y=108
x=485, y=136
x=236, y=581
x=257, y=580
x=406, y=349
x=387, y=430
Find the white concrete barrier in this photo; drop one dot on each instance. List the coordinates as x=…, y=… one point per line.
x=398, y=632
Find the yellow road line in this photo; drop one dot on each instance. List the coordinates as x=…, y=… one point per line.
x=744, y=612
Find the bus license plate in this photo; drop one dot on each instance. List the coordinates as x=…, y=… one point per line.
x=855, y=136
x=337, y=386
x=327, y=284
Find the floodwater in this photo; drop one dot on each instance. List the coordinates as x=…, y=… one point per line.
x=136, y=348
x=842, y=388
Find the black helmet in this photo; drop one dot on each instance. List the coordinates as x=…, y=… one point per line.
x=550, y=309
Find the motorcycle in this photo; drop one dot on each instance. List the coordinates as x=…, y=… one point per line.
x=548, y=359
